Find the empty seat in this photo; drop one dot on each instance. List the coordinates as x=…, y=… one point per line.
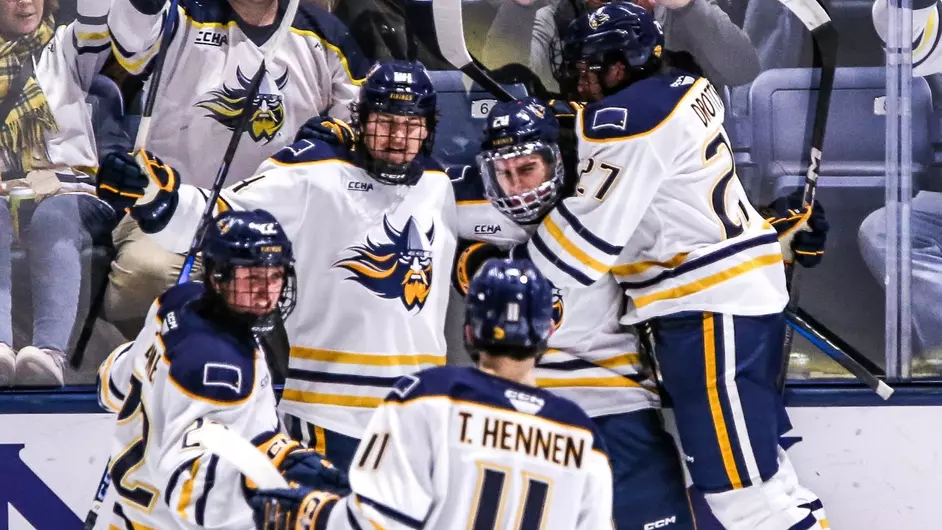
x=770, y=127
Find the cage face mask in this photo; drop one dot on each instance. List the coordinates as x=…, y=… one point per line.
x=522, y=181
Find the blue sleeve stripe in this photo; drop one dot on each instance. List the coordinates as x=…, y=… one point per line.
x=352, y=519
x=207, y=486
x=702, y=261
x=114, y=390
x=175, y=476
x=541, y=246
x=92, y=21
x=585, y=233
x=393, y=514
x=315, y=376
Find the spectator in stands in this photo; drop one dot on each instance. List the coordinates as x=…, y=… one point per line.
x=53, y=161
x=215, y=50
x=926, y=220
x=699, y=27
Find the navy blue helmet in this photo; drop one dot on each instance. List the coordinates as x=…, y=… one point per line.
x=520, y=162
x=249, y=239
x=509, y=310
x=617, y=31
x=398, y=88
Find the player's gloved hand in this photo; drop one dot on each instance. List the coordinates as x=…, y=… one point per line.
x=304, y=466
x=154, y=210
x=802, y=233
x=119, y=181
x=471, y=255
x=280, y=509
x=327, y=129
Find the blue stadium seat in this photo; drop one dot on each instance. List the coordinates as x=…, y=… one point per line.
x=769, y=124
x=461, y=114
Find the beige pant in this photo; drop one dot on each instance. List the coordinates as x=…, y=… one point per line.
x=140, y=273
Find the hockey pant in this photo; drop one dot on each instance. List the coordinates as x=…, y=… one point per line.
x=336, y=447
x=720, y=374
x=648, y=478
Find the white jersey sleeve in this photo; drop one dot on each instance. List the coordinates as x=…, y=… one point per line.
x=927, y=34
x=598, y=492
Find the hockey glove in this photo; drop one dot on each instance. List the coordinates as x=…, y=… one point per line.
x=281, y=509
x=120, y=182
x=802, y=233
x=327, y=129
x=471, y=255
x=303, y=466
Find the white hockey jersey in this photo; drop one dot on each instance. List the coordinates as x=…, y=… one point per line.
x=659, y=206
x=65, y=71
x=927, y=35
x=458, y=448
x=373, y=264
x=592, y=359
x=211, y=61
x=182, y=371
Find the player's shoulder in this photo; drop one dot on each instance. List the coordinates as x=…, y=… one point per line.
x=207, y=12
x=307, y=152
x=316, y=22
x=639, y=108
x=469, y=385
x=431, y=166
x=204, y=361
x=467, y=184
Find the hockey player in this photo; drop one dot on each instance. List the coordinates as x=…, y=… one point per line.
x=375, y=242
x=659, y=206
x=196, y=362
x=465, y=447
x=592, y=360
x=216, y=48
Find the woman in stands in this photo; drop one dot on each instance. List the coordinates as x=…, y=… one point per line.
x=47, y=151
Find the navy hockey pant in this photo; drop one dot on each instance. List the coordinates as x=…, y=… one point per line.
x=720, y=374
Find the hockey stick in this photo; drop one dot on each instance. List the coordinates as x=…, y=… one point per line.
x=449, y=32
x=240, y=453
x=247, y=112
x=143, y=131
x=806, y=329
x=825, y=38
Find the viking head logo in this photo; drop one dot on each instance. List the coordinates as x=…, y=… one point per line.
x=226, y=105
x=399, y=269
x=597, y=18
x=557, y=308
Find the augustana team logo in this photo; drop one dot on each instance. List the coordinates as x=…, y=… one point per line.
x=400, y=269
x=558, y=308
x=226, y=104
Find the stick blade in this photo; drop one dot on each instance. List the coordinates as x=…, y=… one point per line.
x=241, y=454
x=449, y=31
x=884, y=390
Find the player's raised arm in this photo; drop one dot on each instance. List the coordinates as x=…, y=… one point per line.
x=135, y=27
x=169, y=211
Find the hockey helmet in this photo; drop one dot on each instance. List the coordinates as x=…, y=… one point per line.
x=520, y=162
x=390, y=141
x=248, y=239
x=617, y=31
x=509, y=310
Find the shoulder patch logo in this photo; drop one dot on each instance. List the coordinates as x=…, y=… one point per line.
x=224, y=375
x=558, y=308
x=225, y=106
x=524, y=402
x=683, y=80
x=405, y=385
x=400, y=269
x=611, y=117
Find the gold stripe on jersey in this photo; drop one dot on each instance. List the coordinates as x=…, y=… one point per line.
x=86, y=36
x=132, y=66
x=613, y=381
x=553, y=229
x=709, y=281
x=186, y=493
x=713, y=396
x=318, y=398
x=368, y=359
x=471, y=202
x=630, y=269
